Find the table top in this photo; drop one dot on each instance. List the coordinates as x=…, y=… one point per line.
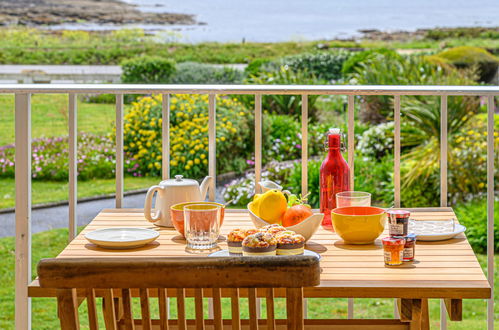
x=446, y=269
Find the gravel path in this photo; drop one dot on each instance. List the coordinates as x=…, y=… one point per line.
x=57, y=217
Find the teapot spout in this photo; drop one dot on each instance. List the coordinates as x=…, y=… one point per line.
x=204, y=186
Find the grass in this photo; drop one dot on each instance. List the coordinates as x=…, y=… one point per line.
x=50, y=243
x=32, y=46
x=55, y=191
x=49, y=117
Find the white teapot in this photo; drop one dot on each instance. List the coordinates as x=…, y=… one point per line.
x=171, y=192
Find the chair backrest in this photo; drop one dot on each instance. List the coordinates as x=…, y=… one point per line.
x=116, y=279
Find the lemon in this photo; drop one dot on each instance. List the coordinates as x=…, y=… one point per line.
x=270, y=206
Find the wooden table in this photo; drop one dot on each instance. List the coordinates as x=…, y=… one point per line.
x=447, y=269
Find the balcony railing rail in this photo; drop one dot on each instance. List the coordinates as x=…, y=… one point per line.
x=23, y=151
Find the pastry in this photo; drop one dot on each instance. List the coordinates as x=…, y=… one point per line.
x=289, y=243
x=259, y=244
x=236, y=237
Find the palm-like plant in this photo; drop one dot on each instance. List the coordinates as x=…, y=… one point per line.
x=422, y=112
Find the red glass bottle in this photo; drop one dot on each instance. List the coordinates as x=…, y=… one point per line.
x=334, y=176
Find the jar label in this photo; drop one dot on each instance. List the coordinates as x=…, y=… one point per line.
x=396, y=229
x=388, y=256
x=409, y=253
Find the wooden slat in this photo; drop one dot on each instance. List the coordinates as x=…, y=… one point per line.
x=108, y=310
x=217, y=309
x=73, y=165
x=119, y=152
x=270, y=309
x=454, y=309
x=416, y=315
x=144, y=308
x=92, y=310
x=67, y=307
x=182, y=325
x=198, y=302
x=127, y=309
x=294, y=308
x=405, y=309
x=253, y=317
x=163, y=308
x=234, y=305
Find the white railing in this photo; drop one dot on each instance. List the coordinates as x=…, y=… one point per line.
x=23, y=152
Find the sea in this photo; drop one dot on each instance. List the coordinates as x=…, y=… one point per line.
x=297, y=20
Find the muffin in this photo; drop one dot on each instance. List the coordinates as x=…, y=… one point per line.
x=272, y=229
x=289, y=243
x=236, y=237
x=259, y=244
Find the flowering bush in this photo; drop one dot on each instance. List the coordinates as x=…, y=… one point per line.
x=240, y=191
x=96, y=158
x=285, y=138
x=377, y=141
x=188, y=135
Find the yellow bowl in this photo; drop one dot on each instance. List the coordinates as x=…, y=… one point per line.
x=358, y=224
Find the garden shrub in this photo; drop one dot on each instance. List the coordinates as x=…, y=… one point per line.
x=285, y=138
x=352, y=63
x=188, y=135
x=50, y=158
x=473, y=215
x=467, y=57
x=284, y=104
x=259, y=65
x=147, y=70
x=198, y=73
x=414, y=70
x=323, y=65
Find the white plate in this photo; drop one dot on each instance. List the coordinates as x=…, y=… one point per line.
x=225, y=253
x=435, y=230
x=122, y=238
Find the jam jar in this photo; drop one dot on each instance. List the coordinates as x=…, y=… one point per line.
x=398, y=221
x=393, y=248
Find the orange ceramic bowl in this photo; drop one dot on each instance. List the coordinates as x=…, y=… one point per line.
x=359, y=224
x=177, y=214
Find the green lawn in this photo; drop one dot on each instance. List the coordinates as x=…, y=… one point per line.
x=54, y=191
x=50, y=243
x=50, y=117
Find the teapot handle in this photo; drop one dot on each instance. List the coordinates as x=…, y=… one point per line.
x=148, y=205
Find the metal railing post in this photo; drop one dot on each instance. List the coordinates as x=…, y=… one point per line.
x=23, y=209
x=119, y=151
x=443, y=183
x=490, y=208
x=73, y=165
x=304, y=144
x=258, y=140
x=351, y=163
x=165, y=134
x=212, y=144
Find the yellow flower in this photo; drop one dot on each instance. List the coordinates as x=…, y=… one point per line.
x=159, y=157
x=187, y=167
x=203, y=156
x=190, y=162
x=222, y=138
x=205, y=161
x=481, y=185
x=197, y=161
x=173, y=163
x=192, y=152
x=150, y=165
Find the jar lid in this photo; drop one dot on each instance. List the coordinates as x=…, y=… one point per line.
x=410, y=237
x=394, y=240
x=399, y=213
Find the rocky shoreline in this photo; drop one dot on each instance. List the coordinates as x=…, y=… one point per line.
x=54, y=12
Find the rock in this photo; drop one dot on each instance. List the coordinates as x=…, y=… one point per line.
x=52, y=12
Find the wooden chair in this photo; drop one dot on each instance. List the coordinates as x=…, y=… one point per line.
x=115, y=279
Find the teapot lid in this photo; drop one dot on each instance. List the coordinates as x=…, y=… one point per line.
x=179, y=181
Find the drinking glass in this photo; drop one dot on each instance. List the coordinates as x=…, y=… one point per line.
x=353, y=198
x=202, y=226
